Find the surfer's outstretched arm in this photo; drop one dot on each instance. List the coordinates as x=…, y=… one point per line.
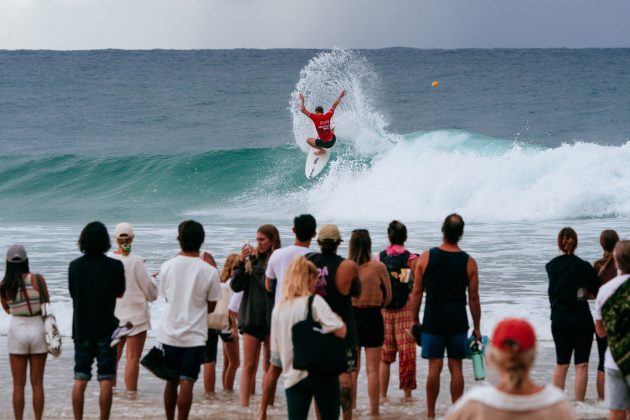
x=338, y=100
x=302, y=107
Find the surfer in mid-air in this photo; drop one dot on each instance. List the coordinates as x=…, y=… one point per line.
x=326, y=134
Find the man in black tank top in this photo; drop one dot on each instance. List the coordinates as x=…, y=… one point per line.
x=338, y=282
x=444, y=273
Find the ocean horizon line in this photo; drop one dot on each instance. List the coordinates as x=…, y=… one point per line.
x=315, y=49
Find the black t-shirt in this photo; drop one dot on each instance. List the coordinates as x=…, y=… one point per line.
x=327, y=266
x=567, y=274
x=95, y=282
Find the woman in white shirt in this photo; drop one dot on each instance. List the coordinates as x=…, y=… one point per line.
x=229, y=336
x=133, y=309
x=299, y=283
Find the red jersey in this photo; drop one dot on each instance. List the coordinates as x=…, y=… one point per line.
x=322, y=125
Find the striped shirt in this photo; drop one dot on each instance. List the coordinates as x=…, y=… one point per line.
x=20, y=305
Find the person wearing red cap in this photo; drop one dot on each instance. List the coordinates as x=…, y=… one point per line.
x=512, y=352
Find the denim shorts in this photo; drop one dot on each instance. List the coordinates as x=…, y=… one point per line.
x=85, y=351
x=186, y=361
x=433, y=346
x=617, y=392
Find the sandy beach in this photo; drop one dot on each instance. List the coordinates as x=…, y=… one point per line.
x=147, y=403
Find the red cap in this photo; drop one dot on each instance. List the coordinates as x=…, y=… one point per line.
x=514, y=335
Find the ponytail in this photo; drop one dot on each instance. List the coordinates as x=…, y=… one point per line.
x=567, y=240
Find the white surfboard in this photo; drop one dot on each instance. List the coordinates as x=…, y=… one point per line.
x=315, y=164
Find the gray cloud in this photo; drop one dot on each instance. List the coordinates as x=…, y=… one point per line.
x=187, y=24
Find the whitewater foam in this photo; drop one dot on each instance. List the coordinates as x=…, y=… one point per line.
x=433, y=174
x=357, y=120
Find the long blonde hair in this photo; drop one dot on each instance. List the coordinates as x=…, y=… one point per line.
x=295, y=282
x=515, y=365
x=228, y=267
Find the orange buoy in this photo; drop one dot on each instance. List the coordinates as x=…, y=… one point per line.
x=435, y=83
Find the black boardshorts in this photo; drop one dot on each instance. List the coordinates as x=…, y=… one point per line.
x=326, y=144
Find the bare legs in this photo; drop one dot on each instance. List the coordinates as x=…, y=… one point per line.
x=581, y=377
x=372, y=363
x=319, y=151
x=433, y=385
x=433, y=382
x=601, y=378
x=19, y=364
x=231, y=362
x=270, y=381
x=251, y=355
x=104, y=399
x=384, y=378
x=209, y=377
x=135, y=344
x=560, y=375
x=457, y=378
x=345, y=383
x=181, y=400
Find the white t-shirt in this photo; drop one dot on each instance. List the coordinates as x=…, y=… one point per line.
x=140, y=288
x=606, y=291
x=278, y=263
x=235, y=298
x=187, y=284
x=283, y=317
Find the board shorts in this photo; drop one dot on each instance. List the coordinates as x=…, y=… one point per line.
x=370, y=326
x=325, y=144
x=186, y=361
x=26, y=335
x=433, y=346
x=210, y=354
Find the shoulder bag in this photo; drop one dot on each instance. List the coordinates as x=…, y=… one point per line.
x=53, y=337
x=318, y=353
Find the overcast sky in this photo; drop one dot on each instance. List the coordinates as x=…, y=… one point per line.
x=193, y=24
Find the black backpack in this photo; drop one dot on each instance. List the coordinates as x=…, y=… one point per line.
x=399, y=276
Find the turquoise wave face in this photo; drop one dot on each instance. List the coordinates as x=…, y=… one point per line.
x=154, y=186
x=416, y=177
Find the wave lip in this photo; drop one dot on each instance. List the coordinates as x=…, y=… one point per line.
x=430, y=175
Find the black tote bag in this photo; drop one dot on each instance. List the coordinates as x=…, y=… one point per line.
x=319, y=354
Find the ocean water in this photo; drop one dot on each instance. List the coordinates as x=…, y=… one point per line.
x=519, y=142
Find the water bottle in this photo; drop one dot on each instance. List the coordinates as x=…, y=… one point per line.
x=477, y=360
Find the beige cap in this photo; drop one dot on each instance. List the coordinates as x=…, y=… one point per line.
x=123, y=229
x=16, y=254
x=329, y=233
